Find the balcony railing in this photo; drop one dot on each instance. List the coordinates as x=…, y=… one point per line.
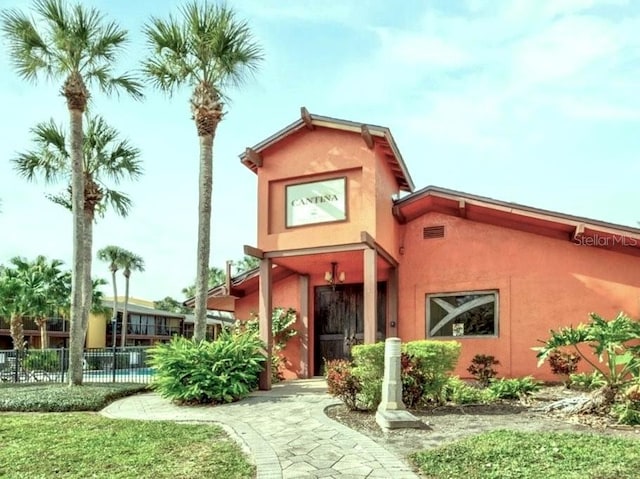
x=146, y=330
x=28, y=324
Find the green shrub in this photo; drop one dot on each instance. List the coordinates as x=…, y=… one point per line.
x=221, y=371
x=436, y=360
x=459, y=392
x=37, y=397
x=368, y=369
x=427, y=366
x=47, y=360
x=587, y=381
x=482, y=368
x=341, y=382
x=513, y=388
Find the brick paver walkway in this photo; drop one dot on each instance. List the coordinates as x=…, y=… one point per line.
x=285, y=430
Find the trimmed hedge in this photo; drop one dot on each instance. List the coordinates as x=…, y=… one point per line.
x=61, y=397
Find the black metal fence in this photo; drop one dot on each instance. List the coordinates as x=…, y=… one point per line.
x=127, y=365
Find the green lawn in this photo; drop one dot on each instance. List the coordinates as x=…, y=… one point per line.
x=81, y=445
x=508, y=454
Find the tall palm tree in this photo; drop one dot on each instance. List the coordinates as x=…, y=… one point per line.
x=207, y=49
x=106, y=158
x=78, y=46
x=129, y=262
x=113, y=255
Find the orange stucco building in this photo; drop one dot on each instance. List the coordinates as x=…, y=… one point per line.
x=345, y=240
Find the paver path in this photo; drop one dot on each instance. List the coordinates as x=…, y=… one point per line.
x=286, y=431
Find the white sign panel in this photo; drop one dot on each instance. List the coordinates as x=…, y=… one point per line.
x=317, y=202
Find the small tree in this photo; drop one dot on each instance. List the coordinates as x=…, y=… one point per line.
x=563, y=364
x=282, y=327
x=482, y=368
x=614, y=346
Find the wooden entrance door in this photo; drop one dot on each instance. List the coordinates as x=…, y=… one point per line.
x=339, y=321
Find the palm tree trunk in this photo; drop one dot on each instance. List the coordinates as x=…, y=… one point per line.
x=87, y=283
x=16, y=330
x=76, y=331
x=44, y=335
x=114, y=314
x=204, y=235
x=125, y=307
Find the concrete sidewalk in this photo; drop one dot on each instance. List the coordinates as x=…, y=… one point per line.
x=285, y=430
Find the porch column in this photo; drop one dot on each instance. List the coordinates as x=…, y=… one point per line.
x=392, y=303
x=370, y=296
x=264, y=314
x=303, y=332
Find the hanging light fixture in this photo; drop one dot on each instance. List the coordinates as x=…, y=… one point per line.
x=332, y=277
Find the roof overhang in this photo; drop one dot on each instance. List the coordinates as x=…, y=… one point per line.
x=580, y=230
x=374, y=136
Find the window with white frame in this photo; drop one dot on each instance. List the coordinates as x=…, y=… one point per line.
x=462, y=314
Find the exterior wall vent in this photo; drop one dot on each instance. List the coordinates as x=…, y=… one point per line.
x=430, y=232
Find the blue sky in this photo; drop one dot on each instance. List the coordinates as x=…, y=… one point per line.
x=531, y=101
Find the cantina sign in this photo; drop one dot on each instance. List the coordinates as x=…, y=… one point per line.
x=316, y=202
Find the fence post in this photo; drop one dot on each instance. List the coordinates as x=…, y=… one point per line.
x=113, y=366
x=16, y=365
x=62, y=368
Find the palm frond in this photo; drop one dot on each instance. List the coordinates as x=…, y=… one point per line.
x=108, y=157
x=62, y=199
x=49, y=160
x=64, y=39
x=104, y=46
x=169, y=63
x=29, y=53
x=126, y=83
x=119, y=201
x=223, y=45
x=131, y=262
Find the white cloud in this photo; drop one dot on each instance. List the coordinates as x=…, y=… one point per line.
x=565, y=48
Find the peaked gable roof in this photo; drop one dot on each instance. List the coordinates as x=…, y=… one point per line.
x=373, y=135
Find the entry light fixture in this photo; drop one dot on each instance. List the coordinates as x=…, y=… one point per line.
x=332, y=277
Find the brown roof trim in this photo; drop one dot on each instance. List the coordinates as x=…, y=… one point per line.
x=510, y=207
x=398, y=165
x=220, y=289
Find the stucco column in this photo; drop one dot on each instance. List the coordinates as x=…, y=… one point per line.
x=303, y=332
x=264, y=314
x=370, y=296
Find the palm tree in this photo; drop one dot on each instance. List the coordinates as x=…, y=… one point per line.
x=113, y=255
x=44, y=284
x=215, y=277
x=105, y=157
x=75, y=45
x=129, y=262
x=208, y=49
x=13, y=304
